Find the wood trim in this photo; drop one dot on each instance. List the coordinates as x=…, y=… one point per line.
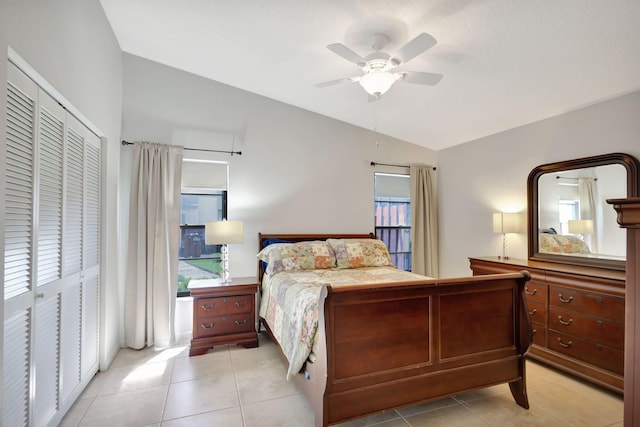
x=629, y=217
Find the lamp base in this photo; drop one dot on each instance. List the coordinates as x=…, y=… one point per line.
x=225, y=276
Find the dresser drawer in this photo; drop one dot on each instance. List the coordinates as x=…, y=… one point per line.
x=535, y=292
x=537, y=312
x=591, y=328
x=599, y=355
x=209, y=307
x=223, y=325
x=597, y=305
x=539, y=334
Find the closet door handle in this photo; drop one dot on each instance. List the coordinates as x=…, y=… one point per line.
x=565, y=300
x=567, y=323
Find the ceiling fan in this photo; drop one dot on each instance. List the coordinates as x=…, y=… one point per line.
x=380, y=70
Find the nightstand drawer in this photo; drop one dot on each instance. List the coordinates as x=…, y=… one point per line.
x=222, y=325
x=209, y=307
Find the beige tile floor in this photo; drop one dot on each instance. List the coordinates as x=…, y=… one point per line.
x=232, y=386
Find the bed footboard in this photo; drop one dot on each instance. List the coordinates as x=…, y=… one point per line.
x=397, y=345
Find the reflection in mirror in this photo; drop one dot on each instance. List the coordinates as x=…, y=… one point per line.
x=573, y=220
x=569, y=219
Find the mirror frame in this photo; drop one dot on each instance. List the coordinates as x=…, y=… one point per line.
x=632, y=166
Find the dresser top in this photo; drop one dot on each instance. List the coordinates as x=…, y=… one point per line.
x=552, y=266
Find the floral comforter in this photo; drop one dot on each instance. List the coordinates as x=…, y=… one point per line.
x=290, y=302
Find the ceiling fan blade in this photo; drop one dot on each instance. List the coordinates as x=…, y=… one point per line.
x=414, y=48
x=343, y=51
x=420, y=78
x=337, y=81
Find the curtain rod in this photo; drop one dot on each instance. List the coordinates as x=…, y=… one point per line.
x=239, y=153
x=574, y=179
x=395, y=166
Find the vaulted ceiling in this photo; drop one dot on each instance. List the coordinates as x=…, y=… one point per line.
x=505, y=63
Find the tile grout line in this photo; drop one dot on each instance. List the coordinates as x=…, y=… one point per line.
x=235, y=382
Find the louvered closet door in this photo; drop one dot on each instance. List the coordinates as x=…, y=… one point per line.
x=91, y=253
x=22, y=98
x=51, y=256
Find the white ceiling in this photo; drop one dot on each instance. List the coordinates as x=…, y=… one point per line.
x=505, y=62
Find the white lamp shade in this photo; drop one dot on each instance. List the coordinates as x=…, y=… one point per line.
x=581, y=226
x=223, y=232
x=377, y=83
x=506, y=222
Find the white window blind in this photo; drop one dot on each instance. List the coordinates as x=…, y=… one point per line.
x=203, y=174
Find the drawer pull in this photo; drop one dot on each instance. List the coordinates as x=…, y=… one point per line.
x=532, y=312
x=206, y=307
x=565, y=300
x=600, y=322
x=567, y=345
x=528, y=292
x=209, y=326
x=567, y=323
x=240, y=305
x=239, y=323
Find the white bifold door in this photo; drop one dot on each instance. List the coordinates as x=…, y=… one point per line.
x=51, y=256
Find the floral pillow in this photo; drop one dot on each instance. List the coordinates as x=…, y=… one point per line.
x=313, y=255
x=355, y=253
x=556, y=243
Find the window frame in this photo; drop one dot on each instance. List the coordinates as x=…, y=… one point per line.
x=402, y=230
x=187, y=226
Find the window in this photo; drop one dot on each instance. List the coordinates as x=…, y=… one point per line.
x=393, y=216
x=198, y=260
x=567, y=209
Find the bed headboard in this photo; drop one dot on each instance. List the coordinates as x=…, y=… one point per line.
x=265, y=239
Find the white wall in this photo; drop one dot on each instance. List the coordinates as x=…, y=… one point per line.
x=490, y=174
x=298, y=172
x=71, y=45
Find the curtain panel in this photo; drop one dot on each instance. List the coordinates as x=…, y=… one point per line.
x=154, y=237
x=424, y=220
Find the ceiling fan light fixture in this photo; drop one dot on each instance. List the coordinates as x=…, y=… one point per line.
x=376, y=83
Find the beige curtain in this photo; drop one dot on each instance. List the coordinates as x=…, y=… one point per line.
x=154, y=237
x=588, y=195
x=424, y=220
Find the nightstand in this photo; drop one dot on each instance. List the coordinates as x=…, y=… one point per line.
x=223, y=313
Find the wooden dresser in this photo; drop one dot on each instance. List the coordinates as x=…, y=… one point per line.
x=577, y=315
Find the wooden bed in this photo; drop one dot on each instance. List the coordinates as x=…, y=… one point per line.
x=385, y=346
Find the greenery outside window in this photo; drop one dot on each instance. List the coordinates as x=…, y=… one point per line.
x=196, y=260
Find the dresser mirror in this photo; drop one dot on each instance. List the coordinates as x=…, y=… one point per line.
x=568, y=217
